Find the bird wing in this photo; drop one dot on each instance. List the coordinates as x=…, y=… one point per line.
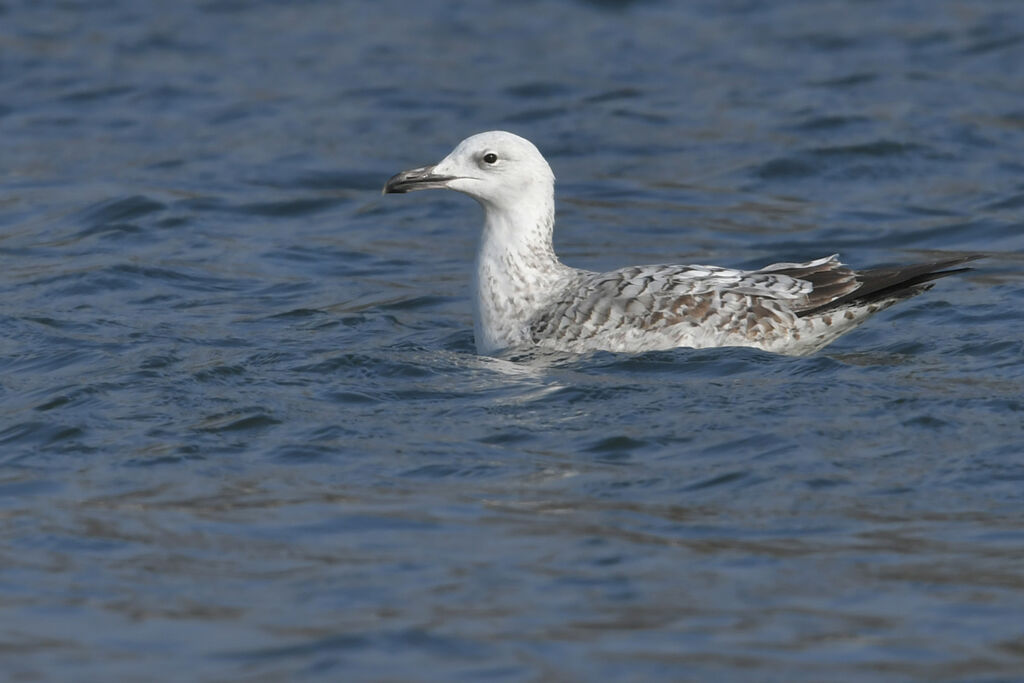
x=753, y=304
x=882, y=284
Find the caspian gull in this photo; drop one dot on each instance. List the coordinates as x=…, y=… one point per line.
x=526, y=297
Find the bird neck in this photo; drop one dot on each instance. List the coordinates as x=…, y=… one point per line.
x=517, y=272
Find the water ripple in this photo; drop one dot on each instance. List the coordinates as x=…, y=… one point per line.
x=246, y=435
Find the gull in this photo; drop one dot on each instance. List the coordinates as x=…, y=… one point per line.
x=524, y=297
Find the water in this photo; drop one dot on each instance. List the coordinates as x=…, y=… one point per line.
x=244, y=432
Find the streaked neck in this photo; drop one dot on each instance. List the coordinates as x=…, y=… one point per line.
x=516, y=272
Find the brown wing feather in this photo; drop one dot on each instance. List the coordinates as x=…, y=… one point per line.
x=829, y=281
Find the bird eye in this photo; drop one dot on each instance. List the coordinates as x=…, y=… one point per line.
x=490, y=158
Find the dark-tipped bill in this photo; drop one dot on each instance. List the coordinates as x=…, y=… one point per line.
x=414, y=179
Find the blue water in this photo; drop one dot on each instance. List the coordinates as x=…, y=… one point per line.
x=244, y=434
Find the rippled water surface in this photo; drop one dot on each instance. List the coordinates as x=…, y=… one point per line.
x=244, y=432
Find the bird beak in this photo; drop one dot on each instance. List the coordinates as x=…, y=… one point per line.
x=422, y=178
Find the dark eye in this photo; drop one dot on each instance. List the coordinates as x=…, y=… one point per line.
x=490, y=158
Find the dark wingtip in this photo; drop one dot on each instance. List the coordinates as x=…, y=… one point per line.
x=961, y=259
x=899, y=282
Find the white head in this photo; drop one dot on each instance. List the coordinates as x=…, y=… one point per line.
x=496, y=168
